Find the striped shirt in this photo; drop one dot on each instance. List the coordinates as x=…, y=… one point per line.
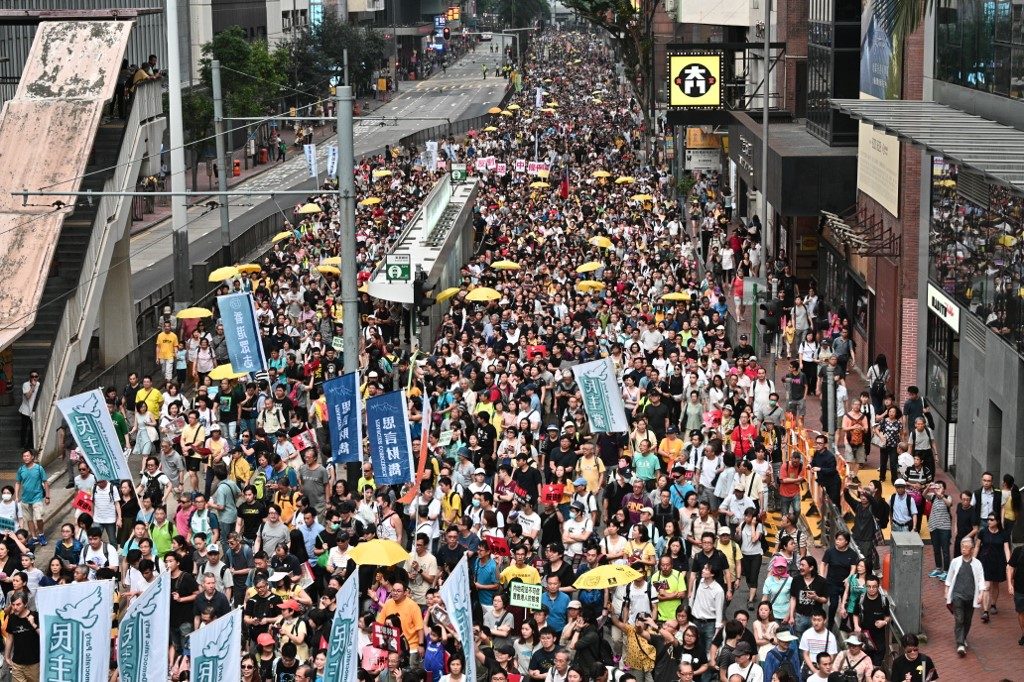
x=939, y=518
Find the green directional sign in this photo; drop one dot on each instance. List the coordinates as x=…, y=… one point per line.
x=398, y=267
x=459, y=173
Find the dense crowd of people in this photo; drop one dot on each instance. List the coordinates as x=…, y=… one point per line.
x=239, y=502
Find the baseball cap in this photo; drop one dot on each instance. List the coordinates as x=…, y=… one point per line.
x=214, y=548
x=785, y=636
x=898, y=482
x=738, y=485
x=724, y=530
x=647, y=510
x=853, y=640
x=575, y=604
x=743, y=649
x=266, y=639
x=580, y=481
x=290, y=604
x=478, y=470
x=577, y=506
x=672, y=429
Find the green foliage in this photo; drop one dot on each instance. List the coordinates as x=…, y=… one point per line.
x=251, y=76
x=630, y=24
x=521, y=13
x=312, y=58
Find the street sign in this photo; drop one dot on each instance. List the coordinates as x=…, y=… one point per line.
x=459, y=173
x=398, y=267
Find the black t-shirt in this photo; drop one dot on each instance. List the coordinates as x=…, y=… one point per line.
x=449, y=558
x=805, y=604
x=718, y=561
x=185, y=585
x=839, y=564
x=529, y=481
x=1017, y=562
x=564, y=573
x=261, y=607
x=696, y=657
x=25, y=649
x=252, y=515
x=656, y=415
x=543, y=660
x=666, y=660
x=920, y=669
x=874, y=609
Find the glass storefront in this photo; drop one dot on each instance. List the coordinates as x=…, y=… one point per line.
x=942, y=368
x=979, y=44
x=976, y=252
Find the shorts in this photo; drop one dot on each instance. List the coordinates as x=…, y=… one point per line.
x=33, y=511
x=856, y=453
x=1018, y=602
x=797, y=407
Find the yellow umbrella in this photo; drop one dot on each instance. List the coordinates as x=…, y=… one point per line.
x=281, y=235
x=310, y=208
x=506, y=113
x=333, y=260
x=483, y=294
x=382, y=173
x=600, y=174
x=446, y=294
x=590, y=266
x=542, y=173
x=1006, y=240
x=598, y=101
x=249, y=267
x=600, y=241
x=540, y=184
x=514, y=107
x=642, y=197
x=328, y=270
x=597, y=92
x=378, y=553
x=226, y=371
x=676, y=296
x=553, y=104
x=363, y=289
x=548, y=110
x=589, y=285
x=603, y=577
x=625, y=180
x=547, y=80
x=221, y=274
x=370, y=201
x=490, y=129
x=505, y=265
x=194, y=313
x=494, y=110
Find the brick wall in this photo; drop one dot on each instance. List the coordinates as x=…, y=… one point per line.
x=792, y=29
x=905, y=370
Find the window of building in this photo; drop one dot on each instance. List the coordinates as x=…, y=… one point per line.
x=980, y=45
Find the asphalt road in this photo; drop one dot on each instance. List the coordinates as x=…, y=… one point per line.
x=459, y=93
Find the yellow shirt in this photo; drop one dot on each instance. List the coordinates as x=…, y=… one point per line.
x=166, y=344
x=527, y=574
x=240, y=471
x=153, y=398
x=591, y=469
x=674, y=447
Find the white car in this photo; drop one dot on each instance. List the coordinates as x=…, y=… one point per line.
x=485, y=37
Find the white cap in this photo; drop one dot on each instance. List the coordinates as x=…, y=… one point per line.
x=899, y=482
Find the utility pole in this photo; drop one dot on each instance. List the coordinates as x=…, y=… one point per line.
x=223, y=164
x=179, y=211
x=769, y=235
x=347, y=214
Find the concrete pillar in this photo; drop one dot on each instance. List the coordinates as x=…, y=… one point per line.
x=906, y=552
x=116, y=319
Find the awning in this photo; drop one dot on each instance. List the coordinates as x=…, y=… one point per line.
x=991, y=148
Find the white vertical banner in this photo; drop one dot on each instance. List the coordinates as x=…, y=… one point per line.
x=602, y=397
x=310, y=151
x=430, y=159
x=457, y=601
x=343, y=643
x=143, y=634
x=538, y=98
x=217, y=649
x=74, y=641
x=332, y=161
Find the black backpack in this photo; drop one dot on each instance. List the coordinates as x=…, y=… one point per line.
x=154, y=489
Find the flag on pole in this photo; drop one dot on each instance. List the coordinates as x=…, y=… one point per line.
x=421, y=466
x=241, y=332
x=457, y=601
x=74, y=631
x=343, y=643
x=217, y=649
x=563, y=187
x=143, y=634
x=93, y=429
x=332, y=161
x=345, y=418
x=387, y=430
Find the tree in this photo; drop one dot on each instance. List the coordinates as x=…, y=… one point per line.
x=251, y=76
x=516, y=13
x=312, y=59
x=630, y=24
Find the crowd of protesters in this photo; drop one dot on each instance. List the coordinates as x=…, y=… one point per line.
x=237, y=498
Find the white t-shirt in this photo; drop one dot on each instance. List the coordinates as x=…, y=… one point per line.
x=530, y=524
x=104, y=557
x=104, y=504
x=574, y=526
x=752, y=673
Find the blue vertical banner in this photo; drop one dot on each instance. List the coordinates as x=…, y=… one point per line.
x=344, y=418
x=387, y=428
x=245, y=348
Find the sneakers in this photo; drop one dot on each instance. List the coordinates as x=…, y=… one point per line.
x=942, y=576
x=935, y=574
x=961, y=651
x=984, y=616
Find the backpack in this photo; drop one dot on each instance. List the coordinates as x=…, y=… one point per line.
x=605, y=651
x=892, y=504
x=849, y=673
x=154, y=489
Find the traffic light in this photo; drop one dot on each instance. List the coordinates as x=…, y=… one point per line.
x=447, y=32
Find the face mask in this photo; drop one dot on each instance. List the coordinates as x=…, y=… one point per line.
x=476, y=503
x=335, y=526
x=6, y=497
